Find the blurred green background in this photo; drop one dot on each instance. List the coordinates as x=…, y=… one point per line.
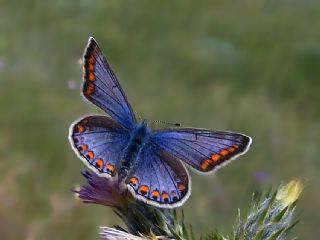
x=246, y=66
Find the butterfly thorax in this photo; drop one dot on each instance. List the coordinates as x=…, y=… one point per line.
x=138, y=138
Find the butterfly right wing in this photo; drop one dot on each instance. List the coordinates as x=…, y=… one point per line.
x=102, y=88
x=99, y=142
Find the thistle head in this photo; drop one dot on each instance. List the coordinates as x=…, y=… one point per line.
x=103, y=191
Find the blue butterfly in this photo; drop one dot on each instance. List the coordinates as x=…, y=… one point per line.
x=148, y=161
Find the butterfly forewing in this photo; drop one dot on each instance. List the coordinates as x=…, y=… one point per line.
x=99, y=142
x=159, y=178
x=102, y=88
x=202, y=149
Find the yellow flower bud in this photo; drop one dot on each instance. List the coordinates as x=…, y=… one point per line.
x=289, y=193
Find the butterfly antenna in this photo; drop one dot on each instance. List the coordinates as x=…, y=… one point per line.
x=167, y=123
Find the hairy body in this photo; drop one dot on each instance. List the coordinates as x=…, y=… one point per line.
x=140, y=135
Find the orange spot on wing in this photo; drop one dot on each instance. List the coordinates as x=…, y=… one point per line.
x=231, y=149
x=205, y=164
x=89, y=89
x=91, y=59
x=165, y=197
x=90, y=155
x=90, y=67
x=81, y=128
x=215, y=157
x=224, y=152
x=91, y=77
x=133, y=180
x=110, y=168
x=155, y=194
x=83, y=147
x=181, y=187
x=143, y=189
x=99, y=163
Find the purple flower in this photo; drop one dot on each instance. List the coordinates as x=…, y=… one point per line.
x=103, y=191
x=72, y=84
x=261, y=176
x=140, y=218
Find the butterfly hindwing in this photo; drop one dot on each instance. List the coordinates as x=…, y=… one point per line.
x=102, y=88
x=202, y=149
x=158, y=178
x=99, y=142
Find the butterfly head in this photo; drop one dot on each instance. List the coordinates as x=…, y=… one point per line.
x=141, y=130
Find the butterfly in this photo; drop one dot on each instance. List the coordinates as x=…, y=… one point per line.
x=148, y=161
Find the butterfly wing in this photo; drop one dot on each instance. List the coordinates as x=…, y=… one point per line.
x=99, y=142
x=102, y=88
x=159, y=178
x=204, y=150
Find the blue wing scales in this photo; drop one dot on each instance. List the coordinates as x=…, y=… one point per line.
x=102, y=88
x=99, y=142
x=159, y=179
x=202, y=149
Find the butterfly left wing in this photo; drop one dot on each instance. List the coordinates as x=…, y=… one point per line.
x=99, y=142
x=204, y=150
x=158, y=178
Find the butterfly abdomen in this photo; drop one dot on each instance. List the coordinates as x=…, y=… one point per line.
x=139, y=136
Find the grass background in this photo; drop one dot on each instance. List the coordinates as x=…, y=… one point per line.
x=246, y=66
